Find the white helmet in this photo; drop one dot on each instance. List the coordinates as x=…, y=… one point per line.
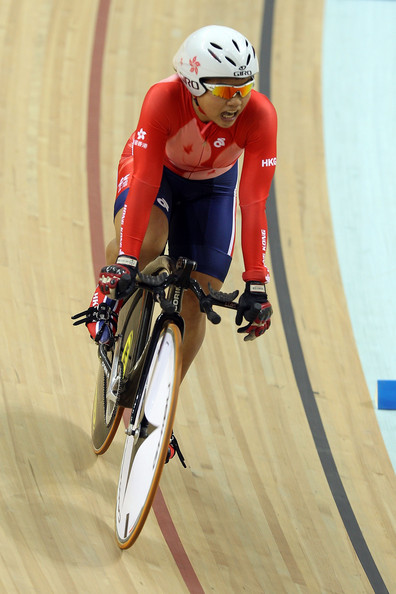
x=214, y=51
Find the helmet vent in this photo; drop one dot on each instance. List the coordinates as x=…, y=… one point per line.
x=214, y=55
x=231, y=61
x=236, y=45
x=215, y=45
x=248, y=60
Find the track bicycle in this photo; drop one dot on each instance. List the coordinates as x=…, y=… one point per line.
x=141, y=371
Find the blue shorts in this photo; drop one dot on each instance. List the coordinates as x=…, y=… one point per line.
x=201, y=216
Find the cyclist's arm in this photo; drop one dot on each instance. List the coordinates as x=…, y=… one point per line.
x=257, y=173
x=148, y=147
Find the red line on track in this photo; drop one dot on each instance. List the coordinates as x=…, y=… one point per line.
x=161, y=511
x=93, y=139
x=175, y=545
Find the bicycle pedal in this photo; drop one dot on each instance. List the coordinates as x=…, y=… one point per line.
x=171, y=454
x=173, y=449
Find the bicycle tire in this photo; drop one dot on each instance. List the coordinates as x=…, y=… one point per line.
x=145, y=454
x=134, y=321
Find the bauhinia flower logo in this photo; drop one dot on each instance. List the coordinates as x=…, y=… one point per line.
x=194, y=65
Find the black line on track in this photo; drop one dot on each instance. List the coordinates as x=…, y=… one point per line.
x=296, y=353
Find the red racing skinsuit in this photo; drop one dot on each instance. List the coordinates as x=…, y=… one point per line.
x=170, y=134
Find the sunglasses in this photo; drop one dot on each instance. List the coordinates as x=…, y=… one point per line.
x=229, y=91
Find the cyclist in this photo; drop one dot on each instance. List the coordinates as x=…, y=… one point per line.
x=177, y=181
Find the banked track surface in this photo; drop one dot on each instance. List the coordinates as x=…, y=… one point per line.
x=255, y=510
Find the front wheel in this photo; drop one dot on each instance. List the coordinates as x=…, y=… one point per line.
x=106, y=414
x=111, y=390
x=147, y=440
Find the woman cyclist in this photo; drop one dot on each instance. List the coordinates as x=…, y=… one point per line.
x=177, y=181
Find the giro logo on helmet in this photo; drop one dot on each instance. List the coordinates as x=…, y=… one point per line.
x=244, y=73
x=190, y=83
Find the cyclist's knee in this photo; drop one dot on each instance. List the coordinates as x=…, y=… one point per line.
x=155, y=238
x=205, y=280
x=191, y=310
x=153, y=243
x=112, y=249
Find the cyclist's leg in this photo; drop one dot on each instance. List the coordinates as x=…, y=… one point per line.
x=153, y=244
x=202, y=227
x=195, y=320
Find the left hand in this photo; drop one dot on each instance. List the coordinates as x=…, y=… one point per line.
x=254, y=306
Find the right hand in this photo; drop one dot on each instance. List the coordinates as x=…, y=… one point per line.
x=118, y=280
x=255, y=308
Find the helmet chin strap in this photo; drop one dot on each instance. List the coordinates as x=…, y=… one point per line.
x=198, y=105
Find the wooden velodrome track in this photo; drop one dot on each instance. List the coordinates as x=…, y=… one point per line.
x=288, y=487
